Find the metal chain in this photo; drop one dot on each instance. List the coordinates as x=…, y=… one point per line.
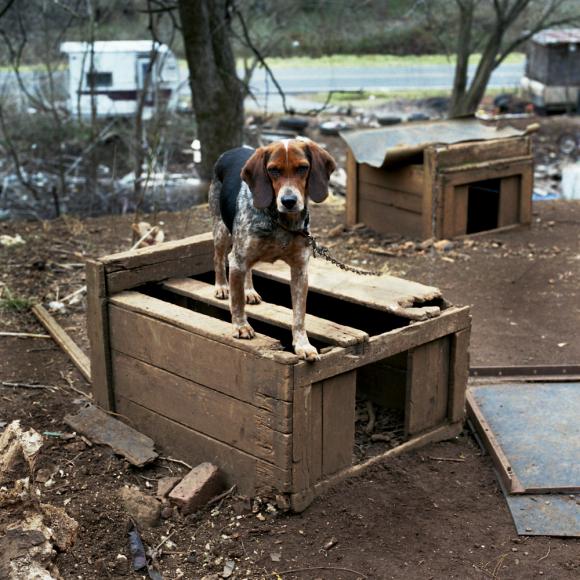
x=323, y=252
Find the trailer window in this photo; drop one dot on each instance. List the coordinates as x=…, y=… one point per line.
x=99, y=79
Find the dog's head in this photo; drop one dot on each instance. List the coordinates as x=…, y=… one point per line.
x=288, y=172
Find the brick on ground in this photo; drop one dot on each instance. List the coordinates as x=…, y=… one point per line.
x=197, y=488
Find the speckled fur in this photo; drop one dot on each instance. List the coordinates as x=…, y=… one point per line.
x=257, y=236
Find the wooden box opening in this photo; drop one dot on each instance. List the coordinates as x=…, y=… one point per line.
x=380, y=407
x=483, y=205
x=369, y=320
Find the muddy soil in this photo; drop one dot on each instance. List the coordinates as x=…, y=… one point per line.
x=415, y=517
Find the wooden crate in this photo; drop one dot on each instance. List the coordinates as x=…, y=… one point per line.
x=163, y=357
x=442, y=191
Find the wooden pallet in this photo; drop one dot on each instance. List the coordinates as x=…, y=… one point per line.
x=163, y=355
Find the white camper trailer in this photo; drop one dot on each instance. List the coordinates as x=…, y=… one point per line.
x=117, y=77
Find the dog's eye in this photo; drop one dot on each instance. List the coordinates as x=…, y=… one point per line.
x=274, y=171
x=302, y=169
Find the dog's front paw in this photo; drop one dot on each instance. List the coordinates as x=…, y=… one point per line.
x=243, y=331
x=252, y=297
x=307, y=352
x=222, y=291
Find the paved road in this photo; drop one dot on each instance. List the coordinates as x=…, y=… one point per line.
x=320, y=79
x=376, y=78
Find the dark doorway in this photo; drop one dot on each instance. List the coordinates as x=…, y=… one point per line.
x=483, y=205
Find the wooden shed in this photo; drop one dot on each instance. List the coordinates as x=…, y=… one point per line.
x=163, y=357
x=439, y=179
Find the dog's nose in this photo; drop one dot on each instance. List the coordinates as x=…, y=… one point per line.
x=289, y=200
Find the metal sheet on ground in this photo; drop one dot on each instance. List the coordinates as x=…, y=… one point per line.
x=538, y=428
x=546, y=515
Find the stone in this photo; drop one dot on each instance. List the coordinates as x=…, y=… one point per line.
x=165, y=485
x=121, y=566
x=197, y=488
x=143, y=508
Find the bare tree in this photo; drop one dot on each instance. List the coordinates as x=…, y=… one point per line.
x=491, y=27
x=217, y=93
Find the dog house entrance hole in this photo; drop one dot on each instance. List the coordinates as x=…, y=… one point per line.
x=380, y=407
x=483, y=205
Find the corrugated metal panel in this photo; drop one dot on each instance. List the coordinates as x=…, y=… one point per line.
x=558, y=36
x=378, y=147
x=538, y=429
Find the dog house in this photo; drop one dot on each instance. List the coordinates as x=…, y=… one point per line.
x=163, y=357
x=439, y=179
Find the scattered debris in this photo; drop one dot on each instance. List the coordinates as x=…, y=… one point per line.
x=144, y=509
x=7, y=241
x=106, y=430
x=229, y=567
x=15, y=445
x=26, y=385
x=147, y=235
x=24, y=335
x=200, y=485
x=330, y=544
x=165, y=485
x=139, y=560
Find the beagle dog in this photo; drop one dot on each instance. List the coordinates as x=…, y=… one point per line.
x=259, y=203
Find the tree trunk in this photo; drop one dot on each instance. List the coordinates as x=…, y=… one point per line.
x=462, y=55
x=482, y=75
x=215, y=89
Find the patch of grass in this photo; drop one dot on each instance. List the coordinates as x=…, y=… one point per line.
x=368, y=60
x=371, y=98
x=9, y=301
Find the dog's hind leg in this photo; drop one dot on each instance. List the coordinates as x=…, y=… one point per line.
x=252, y=297
x=222, y=241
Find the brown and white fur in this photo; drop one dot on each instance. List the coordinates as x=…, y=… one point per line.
x=264, y=197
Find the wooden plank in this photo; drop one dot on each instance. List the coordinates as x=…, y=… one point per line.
x=98, y=333
x=338, y=412
x=324, y=330
x=195, y=322
x=495, y=149
x=251, y=475
x=387, y=219
x=460, y=205
x=148, y=256
x=301, y=448
x=408, y=178
x=458, y=374
x=504, y=468
x=427, y=386
x=66, y=343
x=351, y=189
x=509, y=201
x=446, y=217
x=385, y=345
x=316, y=433
x=430, y=193
x=210, y=412
x=386, y=293
x=103, y=429
x=390, y=196
x=488, y=170
x=300, y=501
x=217, y=365
x=181, y=266
x=527, y=186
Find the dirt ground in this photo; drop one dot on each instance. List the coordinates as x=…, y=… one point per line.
x=413, y=517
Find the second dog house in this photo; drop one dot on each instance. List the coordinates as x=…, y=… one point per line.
x=439, y=179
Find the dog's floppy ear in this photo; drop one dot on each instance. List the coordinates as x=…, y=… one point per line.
x=321, y=167
x=255, y=175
